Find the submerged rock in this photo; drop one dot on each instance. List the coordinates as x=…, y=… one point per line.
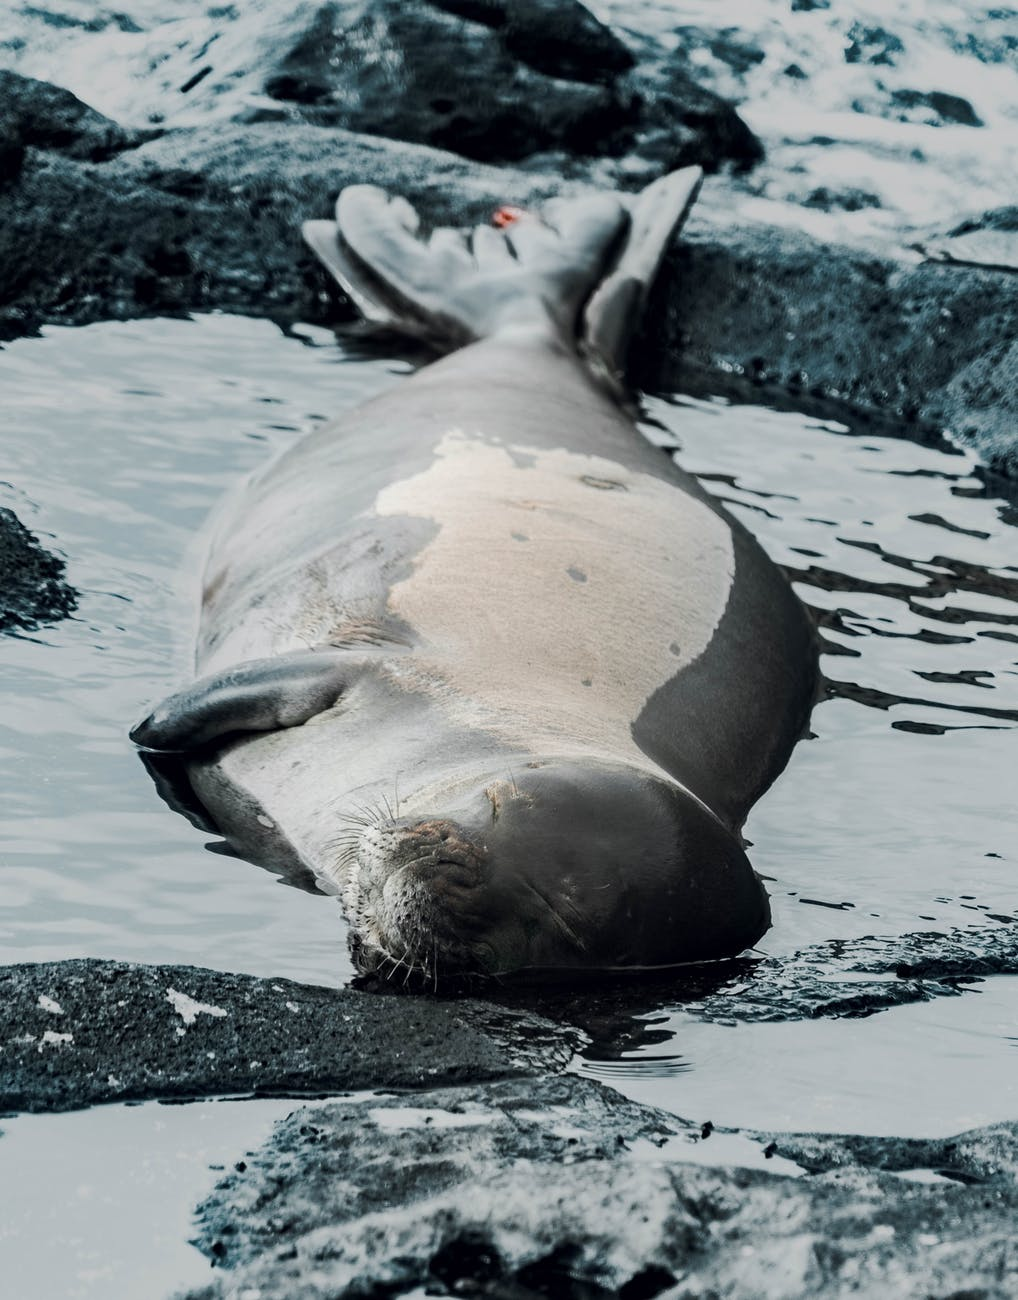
x=77, y=1033
x=843, y=979
x=556, y=1188
x=32, y=586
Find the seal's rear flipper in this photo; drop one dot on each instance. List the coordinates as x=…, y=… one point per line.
x=613, y=313
x=263, y=695
x=455, y=287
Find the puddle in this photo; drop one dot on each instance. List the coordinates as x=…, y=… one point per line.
x=930, y=1070
x=98, y=1204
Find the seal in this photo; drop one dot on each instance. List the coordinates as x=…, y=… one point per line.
x=477, y=656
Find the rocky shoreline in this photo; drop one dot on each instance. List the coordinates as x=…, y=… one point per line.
x=208, y=219
x=475, y=1166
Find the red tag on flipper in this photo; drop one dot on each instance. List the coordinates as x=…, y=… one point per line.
x=507, y=215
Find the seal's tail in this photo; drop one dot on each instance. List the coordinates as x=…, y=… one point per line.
x=586, y=264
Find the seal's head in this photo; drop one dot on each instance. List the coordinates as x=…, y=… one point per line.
x=564, y=865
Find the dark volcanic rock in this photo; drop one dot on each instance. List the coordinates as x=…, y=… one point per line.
x=926, y=344
x=989, y=240
x=37, y=115
x=558, y=37
x=211, y=218
x=935, y=107
x=728, y=45
x=32, y=586
x=682, y=124
x=980, y=1157
x=848, y=199
x=873, y=45
x=411, y=71
x=844, y=979
x=398, y=1151
x=523, y=1189
x=76, y=1033
x=500, y=83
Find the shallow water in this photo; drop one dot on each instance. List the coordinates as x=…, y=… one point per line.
x=898, y=817
x=97, y=1205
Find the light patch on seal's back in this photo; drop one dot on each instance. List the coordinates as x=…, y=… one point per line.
x=559, y=593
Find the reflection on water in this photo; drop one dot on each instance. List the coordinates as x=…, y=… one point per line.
x=898, y=816
x=922, y=1071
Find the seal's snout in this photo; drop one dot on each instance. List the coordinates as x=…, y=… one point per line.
x=438, y=853
x=567, y=865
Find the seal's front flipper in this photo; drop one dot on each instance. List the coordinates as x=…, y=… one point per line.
x=263, y=695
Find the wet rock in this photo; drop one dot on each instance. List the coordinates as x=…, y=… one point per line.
x=725, y=45
x=34, y=114
x=76, y=1033
x=780, y=312
x=981, y=1157
x=385, y=67
x=683, y=123
x=843, y=200
x=397, y=1151
x=875, y=45
x=530, y=79
x=523, y=1189
x=990, y=240
x=32, y=586
x=934, y=108
x=845, y=979
x=211, y=219
x=556, y=38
